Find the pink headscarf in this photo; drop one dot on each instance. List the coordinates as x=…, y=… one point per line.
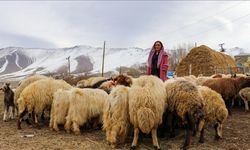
x=151, y=54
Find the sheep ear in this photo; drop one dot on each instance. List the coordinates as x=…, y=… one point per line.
x=129, y=81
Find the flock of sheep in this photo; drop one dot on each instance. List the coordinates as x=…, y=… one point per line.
x=122, y=104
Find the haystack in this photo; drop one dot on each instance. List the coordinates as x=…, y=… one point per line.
x=206, y=61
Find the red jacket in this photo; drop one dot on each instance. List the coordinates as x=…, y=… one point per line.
x=163, y=63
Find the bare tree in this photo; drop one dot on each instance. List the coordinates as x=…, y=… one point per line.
x=178, y=53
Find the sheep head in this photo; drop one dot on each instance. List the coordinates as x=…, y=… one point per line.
x=5, y=87
x=123, y=80
x=243, y=82
x=196, y=115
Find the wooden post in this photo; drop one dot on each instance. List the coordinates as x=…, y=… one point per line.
x=190, y=69
x=103, y=56
x=68, y=58
x=120, y=71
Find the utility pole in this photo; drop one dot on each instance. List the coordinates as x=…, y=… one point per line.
x=68, y=58
x=221, y=47
x=195, y=44
x=103, y=56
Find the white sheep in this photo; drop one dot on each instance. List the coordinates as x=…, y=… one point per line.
x=85, y=104
x=59, y=108
x=38, y=96
x=146, y=106
x=245, y=95
x=116, y=116
x=24, y=83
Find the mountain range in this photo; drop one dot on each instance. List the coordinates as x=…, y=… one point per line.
x=17, y=62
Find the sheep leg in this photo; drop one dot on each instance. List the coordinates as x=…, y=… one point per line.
x=218, y=131
x=43, y=115
x=67, y=125
x=35, y=119
x=202, y=139
x=108, y=136
x=155, y=140
x=20, y=119
x=135, y=140
x=246, y=104
x=16, y=111
x=172, y=125
x=228, y=105
x=75, y=128
x=187, y=142
x=51, y=122
x=189, y=128
x=162, y=127
x=112, y=137
x=55, y=126
x=11, y=114
x=5, y=114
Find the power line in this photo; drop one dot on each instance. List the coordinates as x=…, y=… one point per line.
x=202, y=19
x=215, y=27
x=197, y=21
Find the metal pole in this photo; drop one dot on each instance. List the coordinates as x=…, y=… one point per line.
x=103, y=56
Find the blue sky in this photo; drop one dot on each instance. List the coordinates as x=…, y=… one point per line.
x=54, y=24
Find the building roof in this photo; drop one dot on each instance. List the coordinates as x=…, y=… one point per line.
x=242, y=54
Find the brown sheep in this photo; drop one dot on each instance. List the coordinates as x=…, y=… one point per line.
x=184, y=100
x=228, y=88
x=215, y=109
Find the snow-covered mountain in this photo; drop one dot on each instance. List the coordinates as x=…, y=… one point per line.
x=16, y=62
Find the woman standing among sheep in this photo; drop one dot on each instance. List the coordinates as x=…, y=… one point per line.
x=158, y=61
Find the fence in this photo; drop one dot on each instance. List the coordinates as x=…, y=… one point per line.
x=215, y=70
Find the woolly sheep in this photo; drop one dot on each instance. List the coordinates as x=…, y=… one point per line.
x=184, y=99
x=89, y=82
x=146, y=106
x=190, y=78
x=245, y=95
x=38, y=96
x=24, y=83
x=215, y=110
x=116, y=116
x=228, y=88
x=59, y=108
x=84, y=105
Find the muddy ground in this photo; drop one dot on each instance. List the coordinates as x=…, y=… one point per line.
x=236, y=136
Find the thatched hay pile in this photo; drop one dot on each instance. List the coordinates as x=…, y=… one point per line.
x=205, y=61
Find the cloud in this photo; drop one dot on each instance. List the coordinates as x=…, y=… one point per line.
x=11, y=39
x=123, y=23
